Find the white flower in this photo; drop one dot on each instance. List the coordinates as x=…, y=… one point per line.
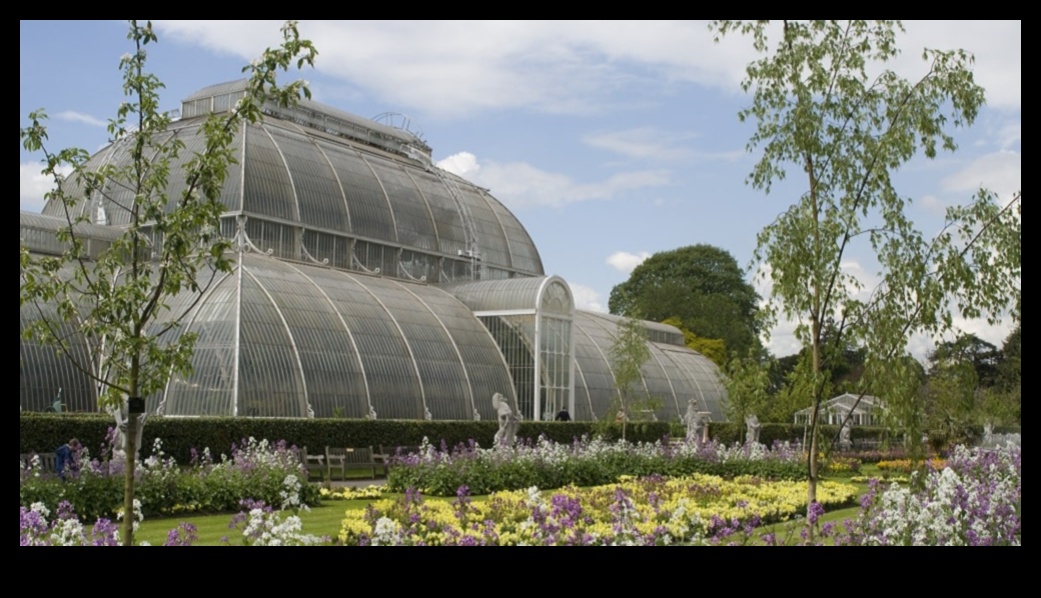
x=40, y=508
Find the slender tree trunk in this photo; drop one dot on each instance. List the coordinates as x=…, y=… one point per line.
x=131, y=453
x=817, y=317
x=128, y=480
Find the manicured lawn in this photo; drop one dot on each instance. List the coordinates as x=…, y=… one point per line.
x=322, y=520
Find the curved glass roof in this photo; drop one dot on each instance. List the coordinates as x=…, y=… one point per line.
x=45, y=374
x=291, y=172
x=514, y=294
x=308, y=330
x=277, y=339
x=319, y=340
x=673, y=374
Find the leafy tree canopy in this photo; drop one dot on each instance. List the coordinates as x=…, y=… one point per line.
x=628, y=354
x=701, y=286
x=712, y=348
x=826, y=106
x=121, y=299
x=984, y=358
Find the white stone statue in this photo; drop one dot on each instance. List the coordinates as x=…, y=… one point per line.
x=845, y=443
x=753, y=427
x=508, y=421
x=988, y=435
x=696, y=422
x=690, y=419
x=704, y=417
x=119, y=443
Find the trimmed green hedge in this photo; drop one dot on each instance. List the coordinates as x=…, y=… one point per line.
x=729, y=433
x=44, y=432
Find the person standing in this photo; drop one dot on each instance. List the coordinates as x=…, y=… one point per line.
x=66, y=458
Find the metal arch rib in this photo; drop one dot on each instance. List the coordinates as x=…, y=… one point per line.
x=655, y=350
x=292, y=342
x=404, y=338
x=386, y=196
x=505, y=236
x=350, y=336
x=289, y=171
x=610, y=368
x=585, y=385
x=448, y=333
x=697, y=384
x=191, y=320
x=339, y=183
x=469, y=226
x=426, y=203
x=614, y=335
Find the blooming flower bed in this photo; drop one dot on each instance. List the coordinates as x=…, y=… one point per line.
x=256, y=469
x=546, y=465
x=905, y=465
x=647, y=511
x=975, y=500
x=369, y=492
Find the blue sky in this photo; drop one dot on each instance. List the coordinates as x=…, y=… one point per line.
x=610, y=140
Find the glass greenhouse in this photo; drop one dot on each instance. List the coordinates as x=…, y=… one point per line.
x=368, y=282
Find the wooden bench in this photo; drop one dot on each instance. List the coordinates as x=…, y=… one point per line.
x=346, y=459
x=47, y=461
x=310, y=462
x=388, y=454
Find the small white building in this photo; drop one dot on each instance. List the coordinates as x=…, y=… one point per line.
x=866, y=411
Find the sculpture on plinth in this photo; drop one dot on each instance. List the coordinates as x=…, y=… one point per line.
x=845, y=443
x=753, y=427
x=508, y=421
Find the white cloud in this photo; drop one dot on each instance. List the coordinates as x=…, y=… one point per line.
x=783, y=341
x=625, y=261
x=996, y=45
x=521, y=185
x=1010, y=134
x=645, y=143
x=586, y=298
x=452, y=68
x=79, y=117
x=1001, y=172
x=32, y=186
x=863, y=283
x=933, y=205
x=463, y=164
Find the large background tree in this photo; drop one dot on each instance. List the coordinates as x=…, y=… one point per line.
x=120, y=298
x=825, y=105
x=970, y=385
x=700, y=285
x=1010, y=373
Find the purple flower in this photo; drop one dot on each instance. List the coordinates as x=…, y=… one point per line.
x=814, y=512
x=183, y=535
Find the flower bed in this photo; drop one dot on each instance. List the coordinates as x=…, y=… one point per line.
x=546, y=465
x=976, y=500
x=256, y=469
x=647, y=511
x=905, y=465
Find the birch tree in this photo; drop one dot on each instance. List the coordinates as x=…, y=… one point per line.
x=628, y=354
x=120, y=298
x=827, y=106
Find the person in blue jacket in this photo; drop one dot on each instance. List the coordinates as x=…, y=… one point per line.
x=65, y=458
